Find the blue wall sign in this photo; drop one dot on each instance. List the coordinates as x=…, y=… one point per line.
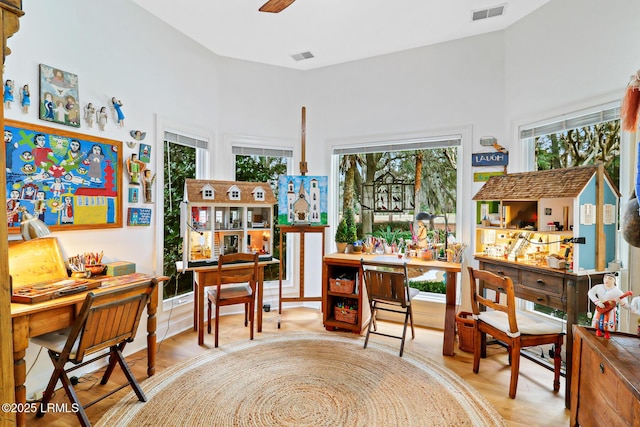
x=490, y=159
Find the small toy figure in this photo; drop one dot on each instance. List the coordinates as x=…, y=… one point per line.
x=147, y=182
x=606, y=297
x=102, y=116
x=25, y=100
x=138, y=135
x=117, y=105
x=8, y=93
x=135, y=167
x=89, y=114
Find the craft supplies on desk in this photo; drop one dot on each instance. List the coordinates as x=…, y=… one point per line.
x=50, y=290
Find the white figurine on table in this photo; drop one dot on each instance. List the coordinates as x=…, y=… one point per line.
x=606, y=297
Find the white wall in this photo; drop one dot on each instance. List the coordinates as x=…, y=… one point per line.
x=542, y=66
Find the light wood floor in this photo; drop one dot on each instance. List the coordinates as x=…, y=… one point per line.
x=535, y=404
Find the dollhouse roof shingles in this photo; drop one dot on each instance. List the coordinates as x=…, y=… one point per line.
x=221, y=188
x=553, y=183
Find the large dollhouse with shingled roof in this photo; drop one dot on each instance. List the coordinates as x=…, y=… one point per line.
x=223, y=217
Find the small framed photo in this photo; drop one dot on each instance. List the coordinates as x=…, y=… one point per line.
x=547, y=211
x=134, y=195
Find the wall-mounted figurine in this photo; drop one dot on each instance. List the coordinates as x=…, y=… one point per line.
x=89, y=114
x=135, y=167
x=138, y=135
x=117, y=105
x=147, y=182
x=8, y=93
x=25, y=99
x=101, y=117
x=606, y=297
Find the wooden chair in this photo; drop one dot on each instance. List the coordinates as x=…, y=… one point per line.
x=107, y=320
x=234, y=286
x=516, y=328
x=388, y=289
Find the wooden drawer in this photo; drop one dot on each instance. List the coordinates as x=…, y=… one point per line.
x=546, y=284
x=540, y=297
x=500, y=270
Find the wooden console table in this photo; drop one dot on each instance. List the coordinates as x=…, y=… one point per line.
x=302, y=230
x=31, y=320
x=549, y=287
x=352, y=261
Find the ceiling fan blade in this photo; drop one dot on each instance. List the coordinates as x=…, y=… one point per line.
x=275, y=6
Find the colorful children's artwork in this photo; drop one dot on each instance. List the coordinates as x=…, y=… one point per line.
x=145, y=153
x=139, y=216
x=59, y=101
x=302, y=200
x=68, y=180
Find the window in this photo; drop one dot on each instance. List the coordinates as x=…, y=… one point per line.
x=184, y=157
x=575, y=139
x=419, y=175
x=254, y=164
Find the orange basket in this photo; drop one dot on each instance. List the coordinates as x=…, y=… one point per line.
x=466, y=331
x=345, y=315
x=342, y=286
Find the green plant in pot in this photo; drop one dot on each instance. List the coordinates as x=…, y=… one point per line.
x=342, y=235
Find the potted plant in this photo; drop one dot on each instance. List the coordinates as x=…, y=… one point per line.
x=389, y=236
x=342, y=235
x=352, y=231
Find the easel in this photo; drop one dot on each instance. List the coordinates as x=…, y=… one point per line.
x=302, y=229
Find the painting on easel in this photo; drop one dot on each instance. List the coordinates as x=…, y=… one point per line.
x=302, y=200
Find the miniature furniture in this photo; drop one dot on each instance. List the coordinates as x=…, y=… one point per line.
x=517, y=329
x=225, y=217
x=605, y=385
x=388, y=289
x=30, y=320
x=348, y=265
x=108, y=320
x=234, y=287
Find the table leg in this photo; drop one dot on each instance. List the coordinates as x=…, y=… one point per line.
x=260, y=297
x=450, y=315
x=199, y=295
x=195, y=302
x=152, y=309
x=20, y=326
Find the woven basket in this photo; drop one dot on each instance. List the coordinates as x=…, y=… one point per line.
x=342, y=286
x=345, y=315
x=466, y=330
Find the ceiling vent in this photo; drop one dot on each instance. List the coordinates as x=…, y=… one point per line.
x=302, y=56
x=477, y=15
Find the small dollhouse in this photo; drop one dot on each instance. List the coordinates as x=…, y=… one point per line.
x=223, y=217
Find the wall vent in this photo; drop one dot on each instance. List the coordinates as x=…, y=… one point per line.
x=491, y=12
x=302, y=56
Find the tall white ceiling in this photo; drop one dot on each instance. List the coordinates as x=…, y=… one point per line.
x=334, y=31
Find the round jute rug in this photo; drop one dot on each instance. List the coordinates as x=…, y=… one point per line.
x=305, y=379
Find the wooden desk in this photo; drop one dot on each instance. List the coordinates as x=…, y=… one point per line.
x=206, y=276
x=30, y=320
x=353, y=261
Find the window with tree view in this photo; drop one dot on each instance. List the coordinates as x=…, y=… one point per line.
x=583, y=140
x=261, y=168
x=387, y=189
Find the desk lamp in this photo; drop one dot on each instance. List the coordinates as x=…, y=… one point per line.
x=31, y=227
